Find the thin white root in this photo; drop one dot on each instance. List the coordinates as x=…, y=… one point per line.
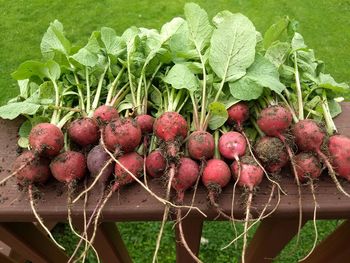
x=260, y=165
x=40, y=221
x=98, y=214
x=94, y=182
x=69, y=203
x=85, y=219
x=163, y=201
x=262, y=216
x=313, y=221
x=183, y=240
x=15, y=172
x=233, y=197
x=331, y=172
x=249, y=202
x=166, y=212
x=291, y=157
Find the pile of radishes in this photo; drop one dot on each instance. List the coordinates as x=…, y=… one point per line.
x=194, y=101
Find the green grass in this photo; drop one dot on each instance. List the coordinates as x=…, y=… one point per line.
x=324, y=24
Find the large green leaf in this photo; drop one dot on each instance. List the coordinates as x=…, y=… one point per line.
x=114, y=44
x=50, y=69
x=326, y=81
x=88, y=55
x=199, y=26
x=278, y=53
x=218, y=115
x=232, y=47
x=262, y=73
x=275, y=31
x=170, y=28
x=13, y=110
x=181, y=77
x=54, y=41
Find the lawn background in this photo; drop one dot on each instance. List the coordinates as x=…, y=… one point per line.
x=325, y=26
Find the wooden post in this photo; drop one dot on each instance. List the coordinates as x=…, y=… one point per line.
x=270, y=238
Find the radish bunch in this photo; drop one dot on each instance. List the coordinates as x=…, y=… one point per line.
x=184, y=104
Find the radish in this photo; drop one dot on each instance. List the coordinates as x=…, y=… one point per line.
x=275, y=121
x=122, y=135
x=96, y=160
x=184, y=178
x=339, y=148
x=201, y=145
x=145, y=122
x=309, y=168
x=232, y=145
x=237, y=114
x=105, y=114
x=84, y=131
x=310, y=136
x=248, y=175
x=272, y=153
x=155, y=164
x=35, y=170
x=128, y=163
x=46, y=139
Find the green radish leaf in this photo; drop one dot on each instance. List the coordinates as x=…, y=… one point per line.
x=275, y=31
x=326, y=81
x=232, y=47
x=262, y=73
x=221, y=17
x=23, y=142
x=30, y=68
x=114, y=44
x=38, y=119
x=218, y=115
x=278, y=53
x=181, y=77
x=23, y=88
x=25, y=129
x=88, y=55
x=199, y=26
x=13, y=110
x=298, y=42
x=54, y=41
x=334, y=108
x=170, y=28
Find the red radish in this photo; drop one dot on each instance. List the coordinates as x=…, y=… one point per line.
x=339, y=148
x=272, y=153
x=232, y=145
x=155, y=164
x=122, y=135
x=133, y=162
x=185, y=176
x=249, y=175
x=201, y=145
x=310, y=136
x=46, y=139
x=238, y=113
x=274, y=120
x=216, y=175
x=145, y=122
x=169, y=126
x=68, y=166
x=105, y=114
x=36, y=169
x=308, y=166
x=84, y=131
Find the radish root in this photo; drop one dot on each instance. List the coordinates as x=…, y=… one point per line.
x=247, y=215
x=40, y=221
x=183, y=240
